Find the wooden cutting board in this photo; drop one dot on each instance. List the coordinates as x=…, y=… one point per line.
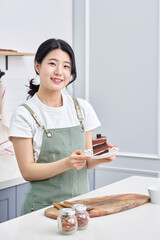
x=106, y=205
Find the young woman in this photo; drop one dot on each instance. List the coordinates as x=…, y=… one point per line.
x=50, y=131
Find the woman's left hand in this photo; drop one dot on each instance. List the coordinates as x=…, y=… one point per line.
x=108, y=159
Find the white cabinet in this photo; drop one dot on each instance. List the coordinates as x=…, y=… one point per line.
x=11, y=201
x=7, y=204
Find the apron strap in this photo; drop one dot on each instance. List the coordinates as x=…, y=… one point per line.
x=49, y=134
x=79, y=113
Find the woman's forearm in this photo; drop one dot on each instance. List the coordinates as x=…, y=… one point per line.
x=31, y=170
x=39, y=171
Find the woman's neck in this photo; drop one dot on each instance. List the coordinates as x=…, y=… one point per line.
x=52, y=99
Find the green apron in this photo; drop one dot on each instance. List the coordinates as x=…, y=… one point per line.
x=57, y=144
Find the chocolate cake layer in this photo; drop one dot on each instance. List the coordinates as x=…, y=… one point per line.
x=102, y=152
x=99, y=141
x=101, y=149
x=103, y=145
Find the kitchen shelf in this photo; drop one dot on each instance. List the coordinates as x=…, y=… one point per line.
x=14, y=53
x=10, y=53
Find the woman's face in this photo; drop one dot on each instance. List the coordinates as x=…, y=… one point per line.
x=55, y=70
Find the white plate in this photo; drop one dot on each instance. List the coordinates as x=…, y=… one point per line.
x=112, y=151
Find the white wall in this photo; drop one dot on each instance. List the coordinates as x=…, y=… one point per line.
x=124, y=74
x=24, y=25
x=123, y=83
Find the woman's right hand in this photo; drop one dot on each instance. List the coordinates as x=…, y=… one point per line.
x=77, y=160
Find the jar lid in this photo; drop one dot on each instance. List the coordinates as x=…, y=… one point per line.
x=79, y=207
x=67, y=211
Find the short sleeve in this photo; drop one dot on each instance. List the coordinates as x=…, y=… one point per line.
x=91, y=120
x=20, y=125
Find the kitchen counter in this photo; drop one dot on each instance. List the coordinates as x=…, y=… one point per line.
x=9, y=172
x=140, y=223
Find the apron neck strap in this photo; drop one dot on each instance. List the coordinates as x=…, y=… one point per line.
x=78, y=109
x=79, y=113
x=49, y=134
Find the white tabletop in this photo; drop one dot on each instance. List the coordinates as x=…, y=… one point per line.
x=9, y=172
x=140, y=223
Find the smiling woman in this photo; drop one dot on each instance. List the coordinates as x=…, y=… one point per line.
x=54, y=71
x=51, y=130
x=58, y=54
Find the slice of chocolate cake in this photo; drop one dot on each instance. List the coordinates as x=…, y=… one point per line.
x=99, y=145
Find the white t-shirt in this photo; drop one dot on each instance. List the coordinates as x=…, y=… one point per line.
x=23, y=124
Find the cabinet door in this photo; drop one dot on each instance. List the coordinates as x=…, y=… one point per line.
x=20, y=195
x=7, y=204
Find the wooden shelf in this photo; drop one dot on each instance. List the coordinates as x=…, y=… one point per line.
x=14, y=53
x=8, y=53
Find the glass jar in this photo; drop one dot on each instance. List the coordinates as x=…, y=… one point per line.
x=67, y=221
x=81, y=215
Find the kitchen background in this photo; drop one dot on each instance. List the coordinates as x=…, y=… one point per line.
x=116, y=44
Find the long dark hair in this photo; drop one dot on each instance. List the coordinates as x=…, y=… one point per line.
x=43, y=50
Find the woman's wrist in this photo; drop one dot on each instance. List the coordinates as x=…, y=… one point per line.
x=67, y=163
x=92, y=163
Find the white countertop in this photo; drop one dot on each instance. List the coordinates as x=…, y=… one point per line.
x=9, y=172
x=140, y=223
